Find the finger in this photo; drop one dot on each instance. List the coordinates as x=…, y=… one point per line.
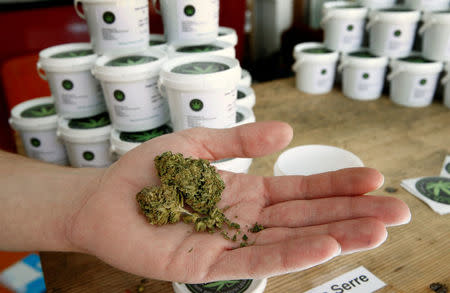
x=261, y=261
x=345, y=182
x=352, y=235
x=300, y=213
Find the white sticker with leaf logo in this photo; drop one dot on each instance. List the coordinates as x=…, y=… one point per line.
x=368, y=80
x=423, y=88
x=324, y=75
x=353, y=33
x=197, y=17
x=94, y=155
x=434, y=191
x=400, y=39
x=44, y=146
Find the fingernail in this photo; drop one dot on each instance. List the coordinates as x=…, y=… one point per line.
x=339, y=251
x=382, y=183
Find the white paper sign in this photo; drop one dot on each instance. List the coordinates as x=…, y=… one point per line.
x=359, y=280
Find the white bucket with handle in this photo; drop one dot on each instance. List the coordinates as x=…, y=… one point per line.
x=428, y=5
x=435, y=33
x=343, y=24
x=116, y=26
x=377, y=4
x=189, y=22
x=446, y=82
x=363, y=75
x=413, y=81
x=392, y=31
x=315, y=68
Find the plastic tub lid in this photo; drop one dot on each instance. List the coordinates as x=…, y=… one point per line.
x=315, y=52
x=437, y=17
x=417, y=64
x=85, y=130
x=200, y=49
x=204, y=72
x=364, y=58
x=244, y=286
x=244, y=115
x=314, y=159
x=35, y=114
x=245, y=96
x=227, y=34
x=67, y=58
x=129, y=67
x=123, y=142
x=397, y=14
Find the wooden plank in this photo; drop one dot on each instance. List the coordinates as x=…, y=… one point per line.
x=400, y=142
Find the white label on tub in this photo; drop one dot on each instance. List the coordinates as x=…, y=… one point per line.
x=122, y=23
x=400, y=39
x=212, y=110
x=359, y=280
x=136, y=103
x=76, y=92
x=353, y=34
x=423, y=89
x=324, y=76
x=369, y=81
x=44, y=146
x=95, y=155
x=197, y=17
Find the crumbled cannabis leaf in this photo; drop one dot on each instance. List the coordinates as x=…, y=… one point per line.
x=256, y=228
x=190, y=191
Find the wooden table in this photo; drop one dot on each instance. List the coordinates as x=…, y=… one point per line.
x=400, y=142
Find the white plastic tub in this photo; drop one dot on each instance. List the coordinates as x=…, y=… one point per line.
x=201, y=91
x=392, y=31
x=313, y=159
x=343, y=24
x=363, y=75
x=242, y=286
x=446, y=83
x=377, y=4
x=87, y=140
x=428, y=5
x=227, y=34
x=123, y=142
x=244, y=115
x=315, y=67
x=246, y=78
x=130, y=88
x=435, y=33
x=413, y=81
x=218, y=48
x=67, y=68
x=190, y=22
x=36, y=121
x=245, y=97
x=116, y=26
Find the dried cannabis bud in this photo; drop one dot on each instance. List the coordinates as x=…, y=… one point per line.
x=190, y=191
x=256, y=228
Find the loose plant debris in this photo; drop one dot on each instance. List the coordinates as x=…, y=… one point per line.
x=391, y=189
x=438, y=288
x=190, y=191
x=256, y=228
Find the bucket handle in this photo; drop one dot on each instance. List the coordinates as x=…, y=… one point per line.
x=395, y=72
x=446, y=78
x=325, y=19
x=372, y=21
x=76, y=4
x=154, y=6
x=297, y=64
x=426, y=25
x=161, y=88
x=342, y=65
x=40, y=71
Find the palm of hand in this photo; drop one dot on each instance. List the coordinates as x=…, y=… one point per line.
x=306, y=223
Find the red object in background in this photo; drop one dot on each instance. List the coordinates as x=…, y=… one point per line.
x=26, y=32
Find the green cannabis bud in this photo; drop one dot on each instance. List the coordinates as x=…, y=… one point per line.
x=190, y=190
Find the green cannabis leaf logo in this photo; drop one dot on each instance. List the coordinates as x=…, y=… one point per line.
x=130, y=60
x=196, y=105
x=74, y=54
x=435, y=188
x=200, y=68
x=97, y=121
x=35, y=142
x=350, y=27
x=39, y=111
x=109, y=17
x=88, y=156
x=119, y=95
x=199, y=49
x=189, y=10
x=397, y=33
x=232, y=286
x=366, y=75
x=323, y=72
x=221, y=284
x=67, y=84
x=143, y=136
x=423, y=81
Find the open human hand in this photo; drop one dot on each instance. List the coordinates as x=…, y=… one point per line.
x=308, y=219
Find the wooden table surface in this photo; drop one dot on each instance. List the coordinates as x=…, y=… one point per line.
x=400, y=142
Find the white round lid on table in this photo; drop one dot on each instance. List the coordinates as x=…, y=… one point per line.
x=91, y=134
x=106, y=70
x=245, y=96
x=243, y=286
x=313, y=159
x=21, y=122
x=56, y=58
x=228, y=34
